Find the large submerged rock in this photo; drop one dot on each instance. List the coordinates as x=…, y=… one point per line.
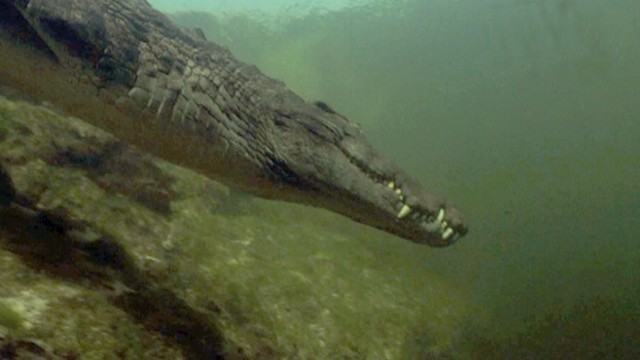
x=106, y=252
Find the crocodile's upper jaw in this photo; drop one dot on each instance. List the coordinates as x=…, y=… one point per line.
x=265, y=140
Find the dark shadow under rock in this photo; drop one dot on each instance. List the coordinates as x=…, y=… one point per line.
x=116, y=167
x=7, y=192
x=52, y=244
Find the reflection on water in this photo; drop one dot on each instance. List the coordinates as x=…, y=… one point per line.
x=524, y=113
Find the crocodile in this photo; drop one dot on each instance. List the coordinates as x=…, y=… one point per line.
x=125, y=67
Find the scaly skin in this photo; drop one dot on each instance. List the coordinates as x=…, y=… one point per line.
x=125, y=67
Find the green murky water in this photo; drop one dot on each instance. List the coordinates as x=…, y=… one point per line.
x=524, y=113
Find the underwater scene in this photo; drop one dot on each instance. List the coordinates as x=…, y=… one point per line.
x=524, y=113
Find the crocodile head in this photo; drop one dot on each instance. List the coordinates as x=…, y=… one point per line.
x=321, y=158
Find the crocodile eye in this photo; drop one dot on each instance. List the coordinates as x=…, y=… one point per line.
x=324, y=107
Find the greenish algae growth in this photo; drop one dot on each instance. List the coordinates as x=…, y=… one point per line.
x=278, y=280
x=302, y=288
x=3, y=126
x=80, y=319
x=10, y=319
x=76, y=321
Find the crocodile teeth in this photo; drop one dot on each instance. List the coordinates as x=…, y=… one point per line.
x=398, y=192
x=443, y=225
x=447, y=233
x=440, y=215
x=391, y=185
x=404, y=211
x=431, y=226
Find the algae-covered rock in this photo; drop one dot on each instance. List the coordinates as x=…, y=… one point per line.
x=106, y=252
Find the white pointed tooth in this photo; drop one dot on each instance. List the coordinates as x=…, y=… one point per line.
x=404, y=211
x=391, y=185
x=443, y=225
x=447, y=233
x=440, y=215
x=431, y=226
x=398, y=192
